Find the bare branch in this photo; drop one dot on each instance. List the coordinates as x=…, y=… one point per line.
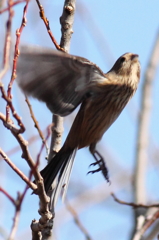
x=143, y=133
x=138, y=235
x=17, y=170
x=7, y=41
x=12, y=4
x=143, y=128
x=43, y=144
x=14, y=113
x=17, y=203
x=88, y=198
x=30, y=140
x=56, y=138
x=23, y=144
x=16, y=217
x=38, y=226
x=77, y=221
x=36, y=124
x=16, y=55
x=134, y=205
x=153, y=233
x=7, y=195
x=46, y=22
x=66, y=21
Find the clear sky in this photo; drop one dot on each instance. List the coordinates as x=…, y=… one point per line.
x=103, y=30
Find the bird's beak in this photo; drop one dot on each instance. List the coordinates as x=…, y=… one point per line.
x=134, y=56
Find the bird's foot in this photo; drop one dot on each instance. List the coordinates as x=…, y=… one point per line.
x=95, y=163
x=102, y=166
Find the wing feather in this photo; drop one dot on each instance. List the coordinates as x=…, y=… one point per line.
x=59, y=79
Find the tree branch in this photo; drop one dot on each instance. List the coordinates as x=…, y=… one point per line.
x=143, y=134
x=134, y=205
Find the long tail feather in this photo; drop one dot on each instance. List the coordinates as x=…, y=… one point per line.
x=59, y=168
x=64, y=177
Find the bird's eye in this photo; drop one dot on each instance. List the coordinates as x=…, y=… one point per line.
x=122, y=59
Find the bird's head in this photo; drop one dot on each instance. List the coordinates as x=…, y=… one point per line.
x=126, y=68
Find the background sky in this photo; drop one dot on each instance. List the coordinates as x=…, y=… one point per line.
x=103, y=30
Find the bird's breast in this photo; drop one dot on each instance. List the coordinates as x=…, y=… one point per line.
x=100, y=111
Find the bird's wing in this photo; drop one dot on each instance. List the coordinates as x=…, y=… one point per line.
x=58, y=79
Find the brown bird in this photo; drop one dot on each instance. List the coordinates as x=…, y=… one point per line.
x=64, y=81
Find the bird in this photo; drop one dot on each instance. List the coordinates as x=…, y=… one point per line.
x=63, y=82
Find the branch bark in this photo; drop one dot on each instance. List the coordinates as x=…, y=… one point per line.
x=66, y=21
x=143, y=138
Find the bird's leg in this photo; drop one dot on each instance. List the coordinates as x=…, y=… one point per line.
x=100, y=161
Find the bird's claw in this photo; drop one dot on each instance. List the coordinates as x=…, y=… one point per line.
x=94, y=171
x=95, y=163
x=102, y=167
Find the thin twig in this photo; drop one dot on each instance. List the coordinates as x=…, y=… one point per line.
x=15, y=218
x=7, y=195
x=46, y=22
x=14, y=113
x=12, y=4
x=43, y=144
x=16, y=55
x=39, y=189
x=9, y=125
x=17, y=170
x=134, y=205
x=7, y=41
x=36, y=124
x=30, y=141
x=23, y=144
x=77, y=221
x=17, y=205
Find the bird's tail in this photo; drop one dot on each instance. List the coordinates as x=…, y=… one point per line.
x=59, y=169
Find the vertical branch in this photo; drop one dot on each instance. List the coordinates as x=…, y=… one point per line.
x=143, y=128
x=56, y=137
x=143, y=135
x=16, y=54
x=66, y=21
x=7, y=41
x=43, y=230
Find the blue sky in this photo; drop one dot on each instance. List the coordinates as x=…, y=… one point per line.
x=108, y=30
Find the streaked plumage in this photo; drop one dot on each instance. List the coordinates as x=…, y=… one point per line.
x=63, y=82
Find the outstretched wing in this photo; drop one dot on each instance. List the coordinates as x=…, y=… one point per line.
x=59, y=79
